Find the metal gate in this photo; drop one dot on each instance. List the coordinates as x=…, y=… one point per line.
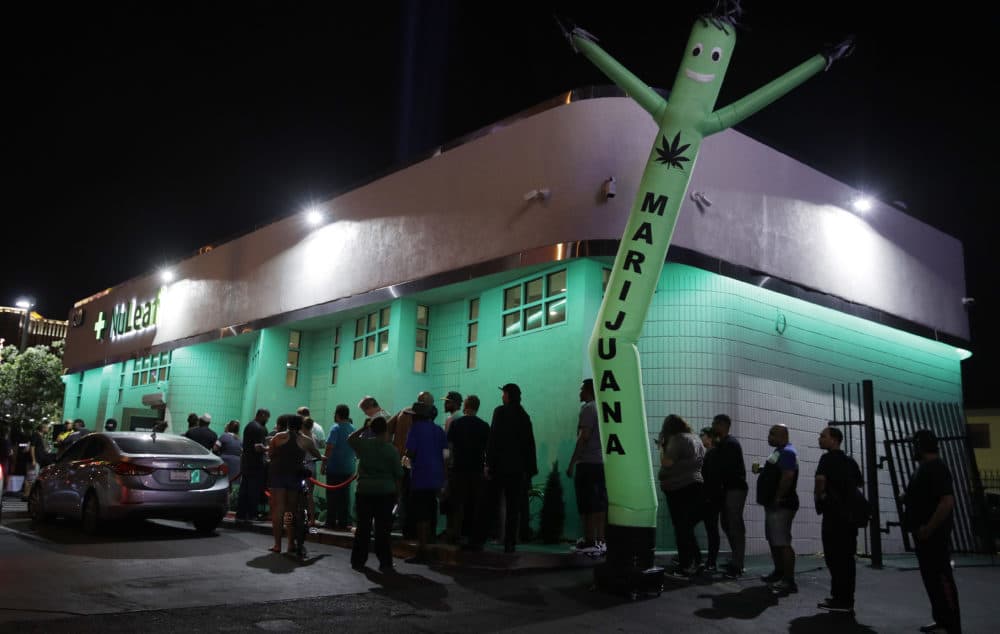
x=971, y=532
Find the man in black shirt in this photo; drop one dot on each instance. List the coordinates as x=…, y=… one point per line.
x=510, y=458
x=203, y=434
x=929, y=502
x=733, y=473
x=467, y=437
x=252, y=466
x=837, y=477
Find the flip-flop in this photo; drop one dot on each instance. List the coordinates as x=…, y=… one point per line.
x=274, y=550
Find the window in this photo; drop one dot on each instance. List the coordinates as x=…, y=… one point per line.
x=151, y=369
x=423, y=332
x=472, y=334
x=538, y=302
x=335, y=361
x=292, y=360
x=979, y=435
x=371, y=334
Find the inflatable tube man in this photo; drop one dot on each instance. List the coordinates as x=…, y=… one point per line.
x=683, y=120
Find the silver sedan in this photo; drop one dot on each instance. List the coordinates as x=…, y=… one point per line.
x=120, y=475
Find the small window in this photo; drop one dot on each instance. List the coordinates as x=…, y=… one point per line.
x=544, y=304
x=372, y=333
x=291, y=378
x=422, y=335
x=472, y=334
x=979, y=435
x=294, y=339
x=292, y=359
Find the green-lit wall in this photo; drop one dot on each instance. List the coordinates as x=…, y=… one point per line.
x=711, y=344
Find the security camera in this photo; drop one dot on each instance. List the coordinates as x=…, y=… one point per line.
x=968, y=302
x=608, y=188
x=538, y=194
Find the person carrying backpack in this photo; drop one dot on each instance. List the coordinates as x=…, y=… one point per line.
x=838, y=478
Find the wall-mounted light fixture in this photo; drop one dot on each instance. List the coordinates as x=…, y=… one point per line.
x=608, y=188
x=543, y=193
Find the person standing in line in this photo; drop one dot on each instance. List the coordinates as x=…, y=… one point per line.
x=425, y=447
x=586, y=468
x=837, y=478
x=510, y=459
x=452, y=407
x=776, y=493
x=928, y=513
x=339, y=468
x=253, y=467
x=713, y=496
x=372, y=410
x=379, y=478
x=681, y=457
x=288, y=450
x=192, y=420
x=228, y=447
x=203, y=434
x=468, y=437
x=733, y=472
x=111, y=425
x=398, y=427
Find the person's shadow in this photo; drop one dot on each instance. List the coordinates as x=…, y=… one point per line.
x=414, y=590
x=748, y=603
x=281, y=564
x=827, y=622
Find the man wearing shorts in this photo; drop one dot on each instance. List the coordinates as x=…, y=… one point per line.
x=588, y=462
x=776, y=493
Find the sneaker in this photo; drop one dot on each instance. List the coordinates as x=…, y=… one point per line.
x=603, y=545
x=833, y=605
x=784, y=587
x=586, y=547
x=732, y=572
x=711, y=568
x=771, y=578
x=676, y=572
x=932, y=627
x=387, y=569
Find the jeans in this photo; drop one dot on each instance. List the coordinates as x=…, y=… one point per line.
x=685, y=506
x=731, y=516
x=710, y=515
x=252, y=486
x=840, y=545
x=375, y=509
x=934, y=558
x=338, y=501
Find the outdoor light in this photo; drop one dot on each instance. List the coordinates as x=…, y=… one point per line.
x=862, y=204
x=314, y=216
x=166, y=276
x=26, y=305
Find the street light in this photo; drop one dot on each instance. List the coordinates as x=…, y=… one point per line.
x=27, y=305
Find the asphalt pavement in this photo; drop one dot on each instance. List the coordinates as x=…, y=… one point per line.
x=163, y=577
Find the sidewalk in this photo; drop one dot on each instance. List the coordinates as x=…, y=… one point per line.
x=529, y=556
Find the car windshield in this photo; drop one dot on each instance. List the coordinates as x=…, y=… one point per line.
x=159, y=445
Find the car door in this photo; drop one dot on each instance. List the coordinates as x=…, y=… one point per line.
x=81, y=472
x=55, y=480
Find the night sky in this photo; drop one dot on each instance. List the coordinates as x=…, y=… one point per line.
x=137, y=133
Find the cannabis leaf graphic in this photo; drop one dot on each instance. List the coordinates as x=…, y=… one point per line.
x=670, y=154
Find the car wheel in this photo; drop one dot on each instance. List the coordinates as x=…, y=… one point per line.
x=206, y=524
x=91, y=515
x=36, y=506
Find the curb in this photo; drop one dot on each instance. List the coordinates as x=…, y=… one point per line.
x=442, y=554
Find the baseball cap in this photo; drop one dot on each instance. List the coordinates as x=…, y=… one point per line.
x=206, y=417
x=453, y=396
x=512, y=389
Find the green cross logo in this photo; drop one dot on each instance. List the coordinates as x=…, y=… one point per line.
x=99, y=325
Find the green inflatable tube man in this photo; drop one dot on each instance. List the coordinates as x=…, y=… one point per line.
x=684, y=120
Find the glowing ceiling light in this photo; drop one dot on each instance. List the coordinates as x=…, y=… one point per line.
x=314, y=216
x=862, y=204
x=166, y=276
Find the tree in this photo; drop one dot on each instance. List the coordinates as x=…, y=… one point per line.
x=31, y=385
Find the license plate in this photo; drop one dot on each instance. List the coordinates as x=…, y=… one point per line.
x=180, y=474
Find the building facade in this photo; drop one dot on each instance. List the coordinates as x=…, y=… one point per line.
x=486, y=264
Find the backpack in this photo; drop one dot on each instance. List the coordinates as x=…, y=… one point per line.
x=858, y=511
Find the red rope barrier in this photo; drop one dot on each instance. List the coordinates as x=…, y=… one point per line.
x=313, y=480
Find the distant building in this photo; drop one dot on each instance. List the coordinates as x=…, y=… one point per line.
x=487, y=263
x=41, y=331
